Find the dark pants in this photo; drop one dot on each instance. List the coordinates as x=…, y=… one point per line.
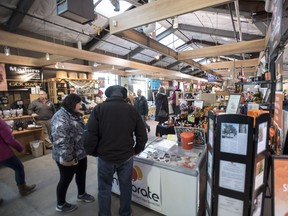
x=66, y=176
x=15, y=164
x=106, y=171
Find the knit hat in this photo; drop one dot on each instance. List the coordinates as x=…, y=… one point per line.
x=116, y=91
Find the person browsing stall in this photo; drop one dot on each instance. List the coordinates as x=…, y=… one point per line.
x=68, y=151
x=42, y=109
x=8, y=158
x=141, y=105
x=109, y=134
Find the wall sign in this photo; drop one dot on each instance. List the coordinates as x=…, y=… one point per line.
x=3, y=81
x=22, y=77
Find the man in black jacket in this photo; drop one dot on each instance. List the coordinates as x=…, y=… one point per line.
x=110, y=136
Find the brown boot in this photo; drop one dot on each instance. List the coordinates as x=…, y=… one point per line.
x=26, y=189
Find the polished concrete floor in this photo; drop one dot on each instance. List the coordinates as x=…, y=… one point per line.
x=43, y=172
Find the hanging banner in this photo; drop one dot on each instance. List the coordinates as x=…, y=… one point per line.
x=22, y=77
x=3, y=81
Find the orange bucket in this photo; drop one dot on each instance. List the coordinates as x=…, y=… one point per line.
x=187, y=139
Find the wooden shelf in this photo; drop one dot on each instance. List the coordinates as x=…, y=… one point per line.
x=15, y=132
x=19, y=117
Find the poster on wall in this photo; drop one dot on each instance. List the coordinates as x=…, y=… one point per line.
x=208, y=195
x=229, y=206
x=211, y=132
x=275, y=34
x=262, y=137
x=232, y=175
x=278, y=108
x=233, y=104
x=146, y=185
x=257, y=205
x=3, y=81
x=280, y=185
x=234, y=138
x=259, y=174
x=22, y=77
x=209, y=164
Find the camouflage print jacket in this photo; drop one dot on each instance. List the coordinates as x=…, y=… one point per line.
x=66, y=136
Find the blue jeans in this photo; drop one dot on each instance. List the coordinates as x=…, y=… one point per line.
x=105, y=178
x=15, y=164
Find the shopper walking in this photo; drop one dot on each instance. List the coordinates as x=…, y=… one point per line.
x=141, y=105
x=68, y=151
x=8, y=158
x=42, y=109
x=109, y=135
x=162, y=110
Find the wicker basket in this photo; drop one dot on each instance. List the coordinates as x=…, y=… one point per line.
x=82, y=76
x=61, y=74
x=73, y=75
x=92, y=76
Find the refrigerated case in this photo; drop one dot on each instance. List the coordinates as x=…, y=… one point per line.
x=170, y=181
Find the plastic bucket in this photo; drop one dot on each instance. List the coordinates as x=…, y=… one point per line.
x=187, y=139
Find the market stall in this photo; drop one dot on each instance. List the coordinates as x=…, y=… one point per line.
x=165, y=175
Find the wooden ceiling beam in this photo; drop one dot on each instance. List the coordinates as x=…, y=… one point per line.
x=18, y=60
x=230, y=64
x=53, y=60
x=158, y=10
x=227, y=49
x=72, y=67
x=27, y=43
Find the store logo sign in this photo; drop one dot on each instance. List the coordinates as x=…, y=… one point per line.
x=137, y=173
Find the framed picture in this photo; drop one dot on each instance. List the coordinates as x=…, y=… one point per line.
x=233, y=104
x=199, y=104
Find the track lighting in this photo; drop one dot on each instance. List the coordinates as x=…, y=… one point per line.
x=175, y=22
x=47, y=56
x=6, y=51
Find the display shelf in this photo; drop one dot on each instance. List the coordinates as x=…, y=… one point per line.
x=15, y=132
x=165, y=178
x=18, y=118
x=255, y=82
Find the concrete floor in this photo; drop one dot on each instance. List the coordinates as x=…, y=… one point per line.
x=43, y=172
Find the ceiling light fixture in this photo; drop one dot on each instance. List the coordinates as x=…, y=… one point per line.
x=157, y=57
x=175, y=22
x=57, y=65
x=95, y=64
x=47, y=56
x=6, y=51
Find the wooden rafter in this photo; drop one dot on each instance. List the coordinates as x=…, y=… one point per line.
x=158, y=10
x=227, y=49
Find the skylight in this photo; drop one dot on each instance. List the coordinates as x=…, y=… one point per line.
x=106, y=9
x=172, y=41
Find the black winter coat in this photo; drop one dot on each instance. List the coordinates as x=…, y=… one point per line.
x=110, y=129
x=161, y=101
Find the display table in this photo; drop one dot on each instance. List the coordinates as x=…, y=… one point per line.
x=164, y=130
x=26, y=136
x=170, y=182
